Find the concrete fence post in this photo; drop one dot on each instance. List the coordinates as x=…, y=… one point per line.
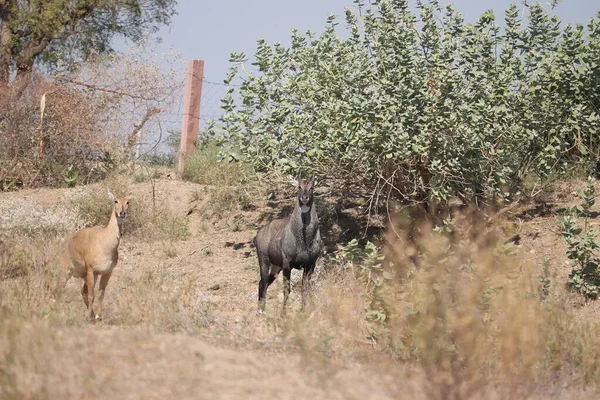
x=191, y=111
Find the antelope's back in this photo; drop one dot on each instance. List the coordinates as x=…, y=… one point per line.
x=268, y=233
x=77, y=247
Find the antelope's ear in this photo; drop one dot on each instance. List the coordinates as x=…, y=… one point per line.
x=299, y=178
x=110, y=195
x=313, y=181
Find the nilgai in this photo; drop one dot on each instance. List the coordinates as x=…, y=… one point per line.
x=293, y=242
x=93, y=252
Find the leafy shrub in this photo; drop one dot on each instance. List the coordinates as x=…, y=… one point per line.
x=421, y=109
x=582, y=246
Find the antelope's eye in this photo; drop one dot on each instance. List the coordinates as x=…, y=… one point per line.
x=127, y=203
x=116, y=201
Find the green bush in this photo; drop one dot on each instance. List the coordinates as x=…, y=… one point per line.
x=421, y=108
x=582, y=246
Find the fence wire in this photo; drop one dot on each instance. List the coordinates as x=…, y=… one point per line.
x=210, y=107
x=163, y=137
x=163, y=134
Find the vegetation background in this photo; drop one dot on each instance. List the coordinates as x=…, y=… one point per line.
x=456, y=166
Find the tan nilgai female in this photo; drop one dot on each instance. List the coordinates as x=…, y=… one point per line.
x=92, y=252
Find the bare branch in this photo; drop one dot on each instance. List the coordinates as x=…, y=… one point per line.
x=101, y=89
x=138, y=127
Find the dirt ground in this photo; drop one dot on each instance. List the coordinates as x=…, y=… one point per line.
x=237, y=354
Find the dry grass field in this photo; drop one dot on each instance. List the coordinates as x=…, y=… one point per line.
x=471, y=318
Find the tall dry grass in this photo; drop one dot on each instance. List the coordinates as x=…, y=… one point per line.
x=206, y=168
x=32, y=281
x=229, y=186
x=147, y=218
x=466, y=310
x=462, y=309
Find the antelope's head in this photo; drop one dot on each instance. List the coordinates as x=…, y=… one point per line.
x=305, y=192
x=121, y=206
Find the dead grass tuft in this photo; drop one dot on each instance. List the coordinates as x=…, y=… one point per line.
x=221, y=200
x=467, y=309
x=464, y=309
x=206, y=168
x=26, y=218
x=145, y=219
x=30, y=281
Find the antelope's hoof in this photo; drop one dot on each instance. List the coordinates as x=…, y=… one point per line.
x=98, y=317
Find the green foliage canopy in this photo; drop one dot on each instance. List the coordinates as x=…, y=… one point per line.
x=425, y=107
x=66, y=31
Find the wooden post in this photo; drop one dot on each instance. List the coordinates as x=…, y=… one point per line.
x=191, y=111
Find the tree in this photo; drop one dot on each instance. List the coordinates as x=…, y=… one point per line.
x=62, y=32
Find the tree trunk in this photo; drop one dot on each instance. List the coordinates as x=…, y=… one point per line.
x=134, y=135
x=5, y=56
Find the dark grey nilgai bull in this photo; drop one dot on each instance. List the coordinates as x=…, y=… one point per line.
x=293, y=242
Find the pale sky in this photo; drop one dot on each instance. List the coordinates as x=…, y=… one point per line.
x=211, y=30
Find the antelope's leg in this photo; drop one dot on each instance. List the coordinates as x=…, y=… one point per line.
x=308, y=271
x=90, y=282
x=84, y=294
x=103, y=282
x=287, y=274
x=265, y=281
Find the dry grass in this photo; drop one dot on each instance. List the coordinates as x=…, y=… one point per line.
x=466, y=312
x=204, y=167
x=147, y=219
x=228, y=187
x=24, y=217
x=463, y=312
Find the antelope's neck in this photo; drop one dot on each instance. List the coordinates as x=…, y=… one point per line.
x=307, y=222
x=113, y=229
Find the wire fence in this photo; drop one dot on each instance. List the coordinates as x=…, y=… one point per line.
x=161, y=133
x=210, y=107
x=163, y=136
x=139, y=100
